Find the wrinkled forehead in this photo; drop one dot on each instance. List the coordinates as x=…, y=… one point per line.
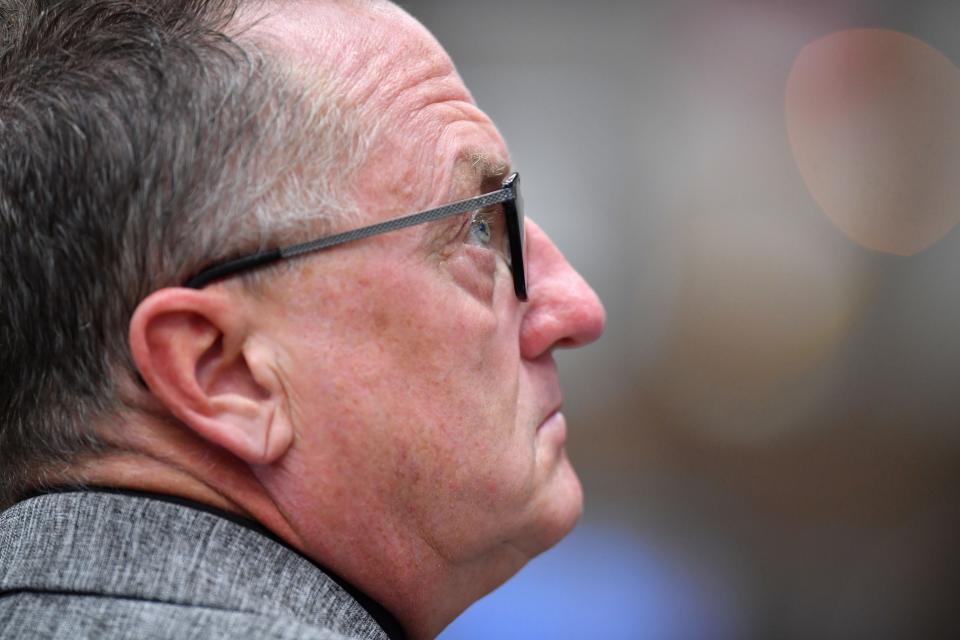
x=370, y=51
x=387, y=68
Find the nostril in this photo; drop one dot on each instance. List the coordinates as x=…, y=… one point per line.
x=561, y=317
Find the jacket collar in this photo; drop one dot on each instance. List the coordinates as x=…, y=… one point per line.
x=131, y=545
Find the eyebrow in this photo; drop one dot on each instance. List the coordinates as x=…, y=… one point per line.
x=474, y=172
x=487, y=166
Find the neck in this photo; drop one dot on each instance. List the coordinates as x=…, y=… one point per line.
x=163, y=457
x=396, y=568
x=374, y=549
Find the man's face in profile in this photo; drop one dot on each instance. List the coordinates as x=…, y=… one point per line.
x=422, y=392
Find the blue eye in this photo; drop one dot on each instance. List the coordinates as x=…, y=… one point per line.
x=481, y=230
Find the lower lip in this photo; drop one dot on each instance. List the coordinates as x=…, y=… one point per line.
x=555, y=425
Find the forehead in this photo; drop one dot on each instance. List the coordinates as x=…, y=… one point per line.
x=388, y=68
x=363, y=47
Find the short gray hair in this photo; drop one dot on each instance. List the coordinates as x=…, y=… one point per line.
x=138, y=144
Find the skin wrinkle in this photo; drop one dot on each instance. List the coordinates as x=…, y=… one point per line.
x=449, y=93
x=473, y=173
x=417, y=468
x=350, y=45
x=137, y=455
x=470, y=115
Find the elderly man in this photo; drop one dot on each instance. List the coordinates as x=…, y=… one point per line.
x=247, y=391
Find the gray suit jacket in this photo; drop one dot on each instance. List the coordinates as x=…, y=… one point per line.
x=107, y=565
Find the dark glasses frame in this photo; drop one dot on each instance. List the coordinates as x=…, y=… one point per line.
x=508, y=194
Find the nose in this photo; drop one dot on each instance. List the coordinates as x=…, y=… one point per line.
x=562, y=309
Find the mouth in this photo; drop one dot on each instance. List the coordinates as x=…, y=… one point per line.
x=550, y=398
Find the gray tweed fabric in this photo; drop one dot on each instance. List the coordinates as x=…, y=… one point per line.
x=101, y=565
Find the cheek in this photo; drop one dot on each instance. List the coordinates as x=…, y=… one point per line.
x=415, y=361
x=452, y=389
x=416, y=391
x=469, y=456
x=474, y=271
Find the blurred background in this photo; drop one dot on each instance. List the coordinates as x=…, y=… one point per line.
x=764, y=195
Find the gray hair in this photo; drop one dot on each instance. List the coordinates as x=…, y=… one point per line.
x=138, y=144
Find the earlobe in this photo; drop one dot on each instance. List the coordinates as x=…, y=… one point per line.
x=203, y=362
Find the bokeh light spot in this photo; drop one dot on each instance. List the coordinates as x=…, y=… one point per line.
x=872, y=120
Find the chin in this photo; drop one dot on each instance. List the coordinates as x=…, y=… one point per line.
x=563, y=508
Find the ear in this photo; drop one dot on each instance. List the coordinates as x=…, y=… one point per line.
x=197, y=354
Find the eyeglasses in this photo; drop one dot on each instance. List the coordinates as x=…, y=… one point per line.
x=508, y=195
